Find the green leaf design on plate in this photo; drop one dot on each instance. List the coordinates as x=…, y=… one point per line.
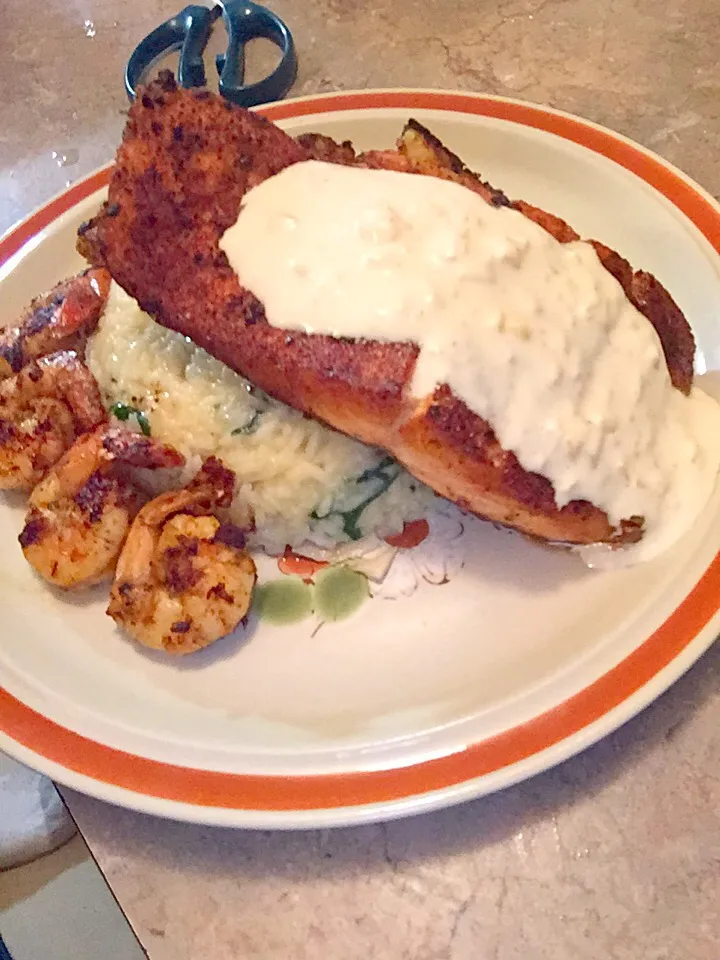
x=339, y=592
x=283, y=601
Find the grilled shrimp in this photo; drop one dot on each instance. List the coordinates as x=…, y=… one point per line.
x=183, y=579
x=43, y=408
x=80, y=512
x=62, y=319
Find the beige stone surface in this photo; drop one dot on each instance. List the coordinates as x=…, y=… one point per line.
x=649, y=74
x=616, y=854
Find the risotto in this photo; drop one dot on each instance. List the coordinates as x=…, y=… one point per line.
x=302, y=480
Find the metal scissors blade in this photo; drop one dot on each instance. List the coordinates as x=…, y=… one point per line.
x=189, y=32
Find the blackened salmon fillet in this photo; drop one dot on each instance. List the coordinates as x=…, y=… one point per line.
x=185, y=163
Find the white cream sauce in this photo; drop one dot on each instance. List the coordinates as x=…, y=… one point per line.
x=533, y=335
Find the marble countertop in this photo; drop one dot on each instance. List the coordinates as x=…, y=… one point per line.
x=615, y=854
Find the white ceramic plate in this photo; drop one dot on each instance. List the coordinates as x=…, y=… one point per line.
x=521, y=660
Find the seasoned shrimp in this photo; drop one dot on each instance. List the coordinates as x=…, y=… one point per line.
x=61, y=319
x=184, y=579
x=80, y=512
x=42, y=410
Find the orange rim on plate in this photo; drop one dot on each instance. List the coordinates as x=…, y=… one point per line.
x=203, y=788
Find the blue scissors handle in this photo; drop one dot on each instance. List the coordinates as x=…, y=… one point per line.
x=247, y=21
x=189, y=32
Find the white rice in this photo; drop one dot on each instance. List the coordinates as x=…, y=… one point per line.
x=299, y=477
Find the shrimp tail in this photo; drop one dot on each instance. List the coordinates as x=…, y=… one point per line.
x=137, y=450
x=214, y=484
x=63, y=317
